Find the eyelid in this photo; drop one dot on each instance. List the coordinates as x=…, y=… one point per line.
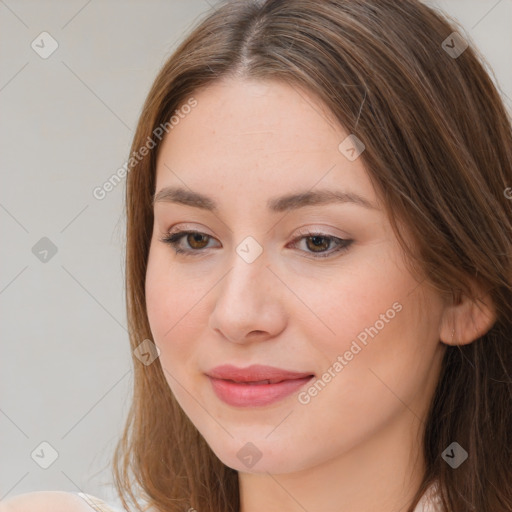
x=178, y=228
x=301, y=231
x=323, y=230
x=306, y=230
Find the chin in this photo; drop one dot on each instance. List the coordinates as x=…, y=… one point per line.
x=260, y=456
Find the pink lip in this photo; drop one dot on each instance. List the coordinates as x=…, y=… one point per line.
x=245, y=392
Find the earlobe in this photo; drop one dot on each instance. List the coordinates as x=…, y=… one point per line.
x=467, y=319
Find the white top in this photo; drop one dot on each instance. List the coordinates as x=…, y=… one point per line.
x=97, y=504
x=429, y=502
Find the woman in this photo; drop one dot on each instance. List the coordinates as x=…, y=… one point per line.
x=319, y=281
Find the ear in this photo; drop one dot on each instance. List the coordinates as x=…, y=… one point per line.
x=465, y=319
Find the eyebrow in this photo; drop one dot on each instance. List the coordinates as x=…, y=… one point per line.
x=278, y=204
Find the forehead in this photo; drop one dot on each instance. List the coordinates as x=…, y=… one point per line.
x=249, y=112
x=255, y=135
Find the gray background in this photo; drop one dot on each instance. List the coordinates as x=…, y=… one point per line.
x=66, y=126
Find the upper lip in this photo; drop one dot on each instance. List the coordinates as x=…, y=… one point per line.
x=255, y=373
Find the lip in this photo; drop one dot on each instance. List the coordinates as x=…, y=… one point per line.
x=242, y=387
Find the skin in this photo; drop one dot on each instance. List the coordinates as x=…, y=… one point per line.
x=356, y=445
x=45, y=501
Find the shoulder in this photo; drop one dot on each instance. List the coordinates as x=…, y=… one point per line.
x=54, y=501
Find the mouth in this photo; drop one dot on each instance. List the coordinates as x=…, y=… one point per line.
x=256, y=385
x=256, y=373
x=260, y=382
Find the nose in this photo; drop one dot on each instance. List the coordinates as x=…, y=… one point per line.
x=249, y=302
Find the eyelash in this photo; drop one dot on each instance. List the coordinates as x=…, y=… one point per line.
x=173, y=240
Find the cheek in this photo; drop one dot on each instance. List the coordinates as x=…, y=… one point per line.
x=165, y=307
x=168, y=301
x=161, y=298
x=176, y=315
x=379, y=324
x=386, y=361
x=350, y=302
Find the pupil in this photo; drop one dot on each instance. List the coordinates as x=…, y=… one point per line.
x=317, y=240
x=197, y=238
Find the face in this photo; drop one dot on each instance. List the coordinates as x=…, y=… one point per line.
x=318, y=288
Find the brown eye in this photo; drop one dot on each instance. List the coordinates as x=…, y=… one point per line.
x=318, y=243
x=196, y=240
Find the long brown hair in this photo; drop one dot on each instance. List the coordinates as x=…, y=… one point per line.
x=439, y=153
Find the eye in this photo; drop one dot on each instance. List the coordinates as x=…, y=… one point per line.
x=319, y=241
x=195, y=239
x=198, y=241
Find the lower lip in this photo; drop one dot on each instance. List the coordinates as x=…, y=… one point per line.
x=251, y=395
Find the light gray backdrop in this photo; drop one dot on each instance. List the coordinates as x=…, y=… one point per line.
x=67, y=116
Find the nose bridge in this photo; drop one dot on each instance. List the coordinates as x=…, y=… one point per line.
x=244, y=302
x=249, y=272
